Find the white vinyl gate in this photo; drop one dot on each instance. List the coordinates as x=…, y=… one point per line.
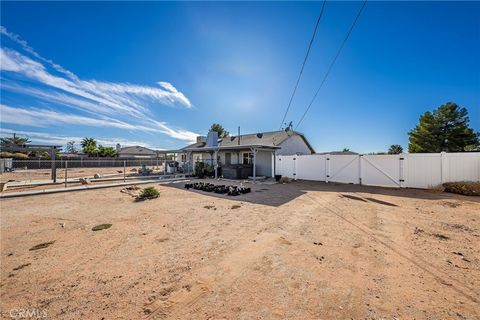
x=419, y=170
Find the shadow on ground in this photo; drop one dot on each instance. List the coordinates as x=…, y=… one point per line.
x=278, y=194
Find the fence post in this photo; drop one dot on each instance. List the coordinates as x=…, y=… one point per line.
x=401, y=167
x=443, y=167
x=295, y=167
x=360, y=169
x=66, y=172
x=124, y=170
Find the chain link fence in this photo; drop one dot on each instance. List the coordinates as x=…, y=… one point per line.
x=40, y=169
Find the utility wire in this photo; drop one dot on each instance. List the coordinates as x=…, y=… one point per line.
x=304, y=62
x=333, y=61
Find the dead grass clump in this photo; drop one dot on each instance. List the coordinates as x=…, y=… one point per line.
x=236, y=206
x=101, y=227
x=42, y=245
x=467, y=188
x=209, y=207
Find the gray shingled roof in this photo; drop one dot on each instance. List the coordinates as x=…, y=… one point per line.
x=272, y=139
x=137, y=150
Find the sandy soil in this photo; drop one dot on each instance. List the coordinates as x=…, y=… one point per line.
x=296, y=251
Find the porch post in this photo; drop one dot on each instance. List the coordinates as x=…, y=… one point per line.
x=216, y=163
x=165, y=163
x=254, y=164
x=190, y=162
x=273, y=163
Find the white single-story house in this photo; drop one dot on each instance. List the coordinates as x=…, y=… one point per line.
x=136, y=152
x=244, y=155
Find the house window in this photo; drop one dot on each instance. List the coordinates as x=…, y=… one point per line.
x=184, y=157
x=247, y=158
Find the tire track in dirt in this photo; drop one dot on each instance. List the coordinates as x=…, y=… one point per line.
x=225, y=273
x=460, y=288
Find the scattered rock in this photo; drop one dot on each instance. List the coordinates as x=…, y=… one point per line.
x=85, y=181
x=236, y=206
x=318, y=243
x=97, y=176
x=440, y=236
x=101, y=227
x=42, y=245
x=418, y=231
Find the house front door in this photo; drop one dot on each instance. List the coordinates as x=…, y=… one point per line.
x=228, y=158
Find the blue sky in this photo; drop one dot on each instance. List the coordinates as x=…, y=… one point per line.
x=158, y=74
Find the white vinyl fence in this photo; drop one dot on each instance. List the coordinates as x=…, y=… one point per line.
x=417, y=170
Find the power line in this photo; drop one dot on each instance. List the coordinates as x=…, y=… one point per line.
x=304, y=61
x=333, y=61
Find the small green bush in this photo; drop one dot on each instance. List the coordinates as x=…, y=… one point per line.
x=467, y=188
x=148, y=193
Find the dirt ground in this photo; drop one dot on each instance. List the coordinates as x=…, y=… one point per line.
x=302, y=250
x=44, y=174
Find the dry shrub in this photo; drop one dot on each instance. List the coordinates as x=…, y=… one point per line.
x=467, y=188
x=148, y=193
x=285, y=180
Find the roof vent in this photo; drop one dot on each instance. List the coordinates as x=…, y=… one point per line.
x=259, y=135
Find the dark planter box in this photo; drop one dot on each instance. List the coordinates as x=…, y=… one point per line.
x=237, y=171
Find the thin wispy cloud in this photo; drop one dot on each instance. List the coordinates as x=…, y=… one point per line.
x=118, y=105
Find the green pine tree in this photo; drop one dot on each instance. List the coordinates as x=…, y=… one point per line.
x=222, y=133
x=444, y=129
